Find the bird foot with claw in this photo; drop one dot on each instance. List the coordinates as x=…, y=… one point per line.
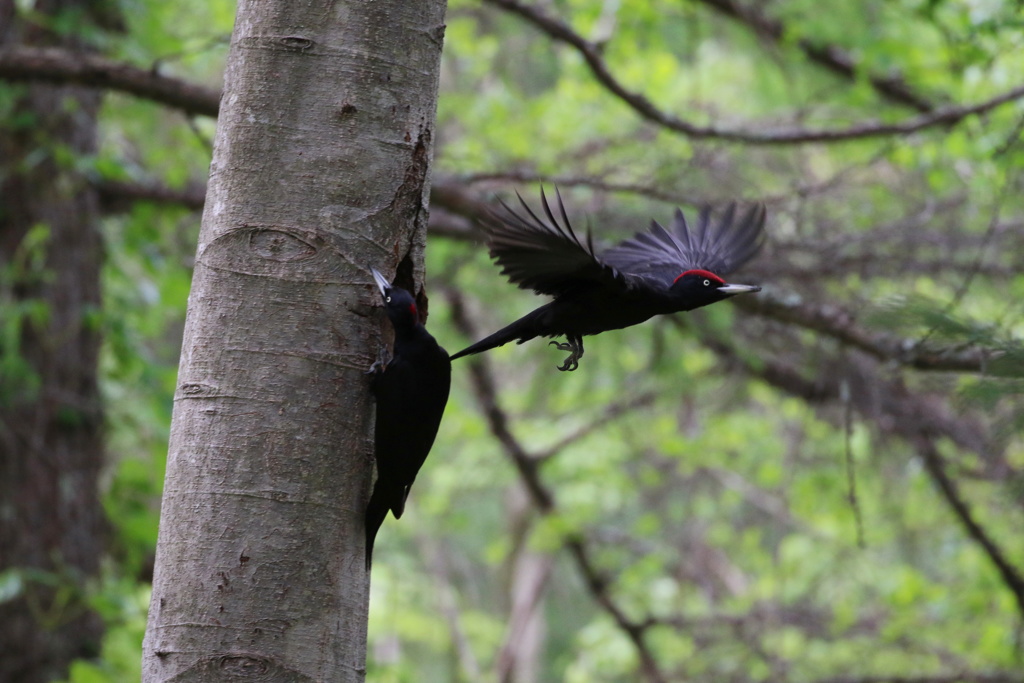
x=573, y=360
x=379, y=365
x=570, y=364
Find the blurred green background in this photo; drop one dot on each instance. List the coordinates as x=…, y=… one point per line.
x=703, y=465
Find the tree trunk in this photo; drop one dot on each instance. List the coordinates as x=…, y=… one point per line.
x=320, y=170
x=51, y=451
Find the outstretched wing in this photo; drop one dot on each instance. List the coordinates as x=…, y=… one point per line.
x=720, y=246
x=546, y=255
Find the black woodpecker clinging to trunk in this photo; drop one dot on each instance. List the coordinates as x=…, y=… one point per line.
x=411, y=391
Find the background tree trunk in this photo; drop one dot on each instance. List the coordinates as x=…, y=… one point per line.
x=320, y=170
x=51, y=451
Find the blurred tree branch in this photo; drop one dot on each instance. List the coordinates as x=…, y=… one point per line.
x=117, y=196
x=455, y=211
x=56, y=65
x=62, y=66
x=638, y=189
x=964, y=677
x=543, y=498
x=529, y=573
x=448, y=604
x=832, y=57
x=594, y=57
x=840, y=324
x=936, y=466
x=915, y=419
x=610, y=413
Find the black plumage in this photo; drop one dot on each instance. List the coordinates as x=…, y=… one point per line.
x=655, y=272
x=411, y=391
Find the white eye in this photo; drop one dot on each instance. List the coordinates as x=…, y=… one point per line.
x=387, y=299
x=707, y=282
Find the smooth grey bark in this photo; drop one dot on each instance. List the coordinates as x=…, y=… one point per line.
x=320, y=170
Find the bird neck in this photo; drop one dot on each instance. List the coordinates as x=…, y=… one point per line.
x=409, y=331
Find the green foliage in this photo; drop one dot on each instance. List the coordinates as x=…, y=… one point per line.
x=57, y=598
x=146, y=279
x=719, y=506
x=146, y=282
x=998, y=389
x=122, y=602
x=24, y=271
x=716, y=467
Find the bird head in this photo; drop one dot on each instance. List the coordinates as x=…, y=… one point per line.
x=399, y=304
x=702, y=287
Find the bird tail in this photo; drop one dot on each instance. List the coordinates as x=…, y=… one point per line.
x=381, y=500
x=518, y=332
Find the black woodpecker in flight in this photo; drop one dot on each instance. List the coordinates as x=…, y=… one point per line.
x=411, y=391
x=654, y=272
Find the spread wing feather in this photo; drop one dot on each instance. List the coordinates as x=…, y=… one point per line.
x=659, y=255
x=546, y=256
